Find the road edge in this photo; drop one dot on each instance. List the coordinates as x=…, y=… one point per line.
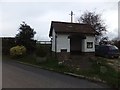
x=66, y=73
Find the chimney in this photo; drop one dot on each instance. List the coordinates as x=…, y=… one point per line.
x=71, y=14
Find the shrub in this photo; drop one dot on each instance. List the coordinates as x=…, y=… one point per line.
x=7, y=43
x=17, y=51
x=40, y=51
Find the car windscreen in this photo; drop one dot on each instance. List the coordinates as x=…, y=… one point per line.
x=113, y=48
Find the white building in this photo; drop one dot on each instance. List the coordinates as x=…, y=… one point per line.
x=71, y=38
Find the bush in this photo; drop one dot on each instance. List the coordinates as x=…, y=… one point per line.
x=17, y=51
x=40, y=51
x=7, y=43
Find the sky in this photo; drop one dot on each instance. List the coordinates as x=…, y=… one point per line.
x=39, y=14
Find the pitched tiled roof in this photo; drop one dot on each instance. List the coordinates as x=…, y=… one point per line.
x=66, y=27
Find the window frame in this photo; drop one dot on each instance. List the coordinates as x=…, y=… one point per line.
x=89, y=45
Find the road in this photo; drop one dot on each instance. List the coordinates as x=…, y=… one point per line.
x=16, y=75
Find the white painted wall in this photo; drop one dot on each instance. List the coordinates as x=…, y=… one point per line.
x=53, y=41
x=84, y=44
x=63, y=42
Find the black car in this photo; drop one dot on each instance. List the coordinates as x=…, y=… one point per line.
x=108, y=51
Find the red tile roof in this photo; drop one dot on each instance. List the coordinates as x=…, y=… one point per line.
x=66, y=27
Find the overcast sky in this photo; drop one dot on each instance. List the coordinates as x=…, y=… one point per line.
x=40, y=14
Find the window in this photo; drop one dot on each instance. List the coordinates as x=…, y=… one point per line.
x=113, y=47
x=63, y=50
x=89, y=44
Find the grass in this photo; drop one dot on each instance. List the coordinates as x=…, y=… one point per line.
x=100, y=69
x=105, y=72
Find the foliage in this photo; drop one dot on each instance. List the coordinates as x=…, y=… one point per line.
x=41, y=51
x=94, y=20
x=17, y=51
x=31, y=58
x=25, y=37
x=107, y=74
x=7, y=43
x=104, y=41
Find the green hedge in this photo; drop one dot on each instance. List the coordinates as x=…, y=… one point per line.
x=41, y=50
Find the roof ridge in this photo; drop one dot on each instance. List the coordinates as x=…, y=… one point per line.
x=68, y=23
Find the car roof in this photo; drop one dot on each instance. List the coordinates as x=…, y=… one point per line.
x=107, y=45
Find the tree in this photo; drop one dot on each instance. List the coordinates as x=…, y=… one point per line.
x=95, y=21
x=104, y=41
x=25, y=37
